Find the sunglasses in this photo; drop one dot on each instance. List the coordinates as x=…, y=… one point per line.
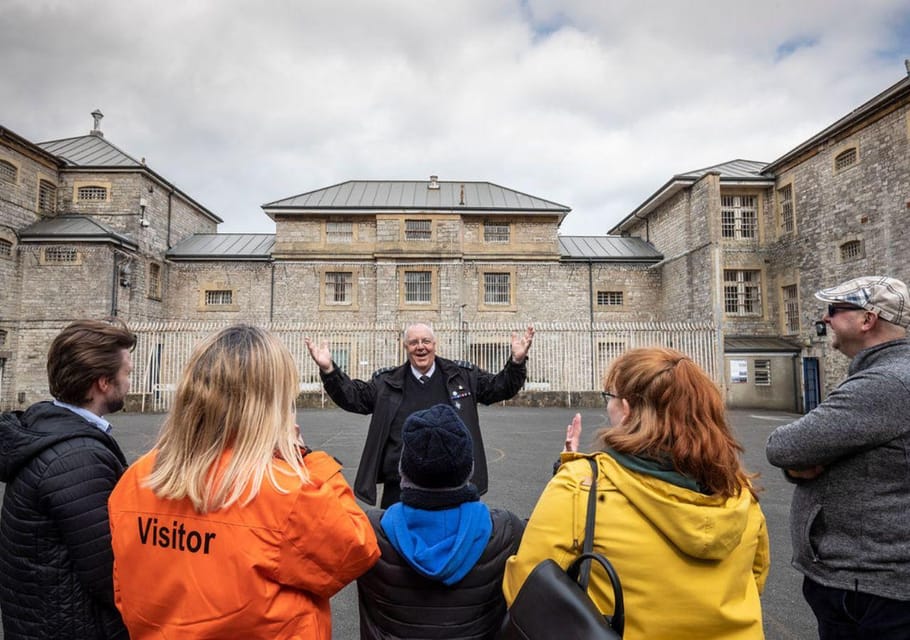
x=834, y=310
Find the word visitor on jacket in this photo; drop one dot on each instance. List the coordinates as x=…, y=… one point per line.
x=174, y=537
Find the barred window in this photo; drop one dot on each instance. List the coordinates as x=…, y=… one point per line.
x=852, y=250
x=219, y=297
x=762, y=373
x=497, y=288
x=3, y=335
x=92, y=193
x=47, y=197
x=338, y=287
x=785, y=202
x=154, y=283
x=6, y=247
x=8, y=171
x=742, y=292
x=418, y=287
x=496, y=231
x=790, y=296
x=609, y=298
x=61, y=255
x=339, y=232
x=738, y=216
x=418, y=230
x=845, y=159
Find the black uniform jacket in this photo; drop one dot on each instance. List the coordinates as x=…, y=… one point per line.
x=466, y=385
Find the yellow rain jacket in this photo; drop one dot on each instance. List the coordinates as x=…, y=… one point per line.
x=691, y=565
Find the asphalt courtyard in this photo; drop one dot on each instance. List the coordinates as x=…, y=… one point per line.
x=521, y=445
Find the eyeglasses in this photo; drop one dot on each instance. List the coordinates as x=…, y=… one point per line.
x=834, y=310
x=426, y=342
x=607, y=396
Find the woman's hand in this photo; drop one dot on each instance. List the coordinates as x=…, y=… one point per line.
x=573, y=434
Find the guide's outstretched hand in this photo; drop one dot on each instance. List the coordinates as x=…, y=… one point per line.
x=320, y=354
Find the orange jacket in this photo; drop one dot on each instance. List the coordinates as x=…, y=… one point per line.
x=263, y=570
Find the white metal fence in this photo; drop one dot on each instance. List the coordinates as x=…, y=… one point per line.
x=564, y=358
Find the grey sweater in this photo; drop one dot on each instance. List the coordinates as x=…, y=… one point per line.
x=851, y=525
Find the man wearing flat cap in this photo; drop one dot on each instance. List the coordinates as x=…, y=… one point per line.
x=850, y=460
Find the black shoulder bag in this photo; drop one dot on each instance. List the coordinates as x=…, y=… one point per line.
x=553, y=603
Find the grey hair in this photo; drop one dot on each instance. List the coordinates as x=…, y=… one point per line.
x=404, y=334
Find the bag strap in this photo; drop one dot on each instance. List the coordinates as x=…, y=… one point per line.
x=588, y=545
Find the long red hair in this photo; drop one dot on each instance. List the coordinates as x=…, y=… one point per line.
x=676, y=412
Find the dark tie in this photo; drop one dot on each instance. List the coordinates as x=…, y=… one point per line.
x=424, y=379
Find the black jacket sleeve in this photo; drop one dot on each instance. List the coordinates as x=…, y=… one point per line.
x=350, y=394
x=503, y=385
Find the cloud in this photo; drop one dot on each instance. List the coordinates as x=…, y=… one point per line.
x=593, y=105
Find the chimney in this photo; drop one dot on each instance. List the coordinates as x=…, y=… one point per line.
x=907, y=65
x=434, y=182
x=97, y=115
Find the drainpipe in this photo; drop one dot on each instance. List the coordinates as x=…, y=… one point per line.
x=170, y=200
x=115, y=284
x=272, y=295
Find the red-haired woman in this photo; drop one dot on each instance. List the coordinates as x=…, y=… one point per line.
x=676, y=512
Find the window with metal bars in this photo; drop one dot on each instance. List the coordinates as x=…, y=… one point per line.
x=790, y=296
x=418, y=230
x=338, y=287
x=852, y=250
x=742, y=295
x=762, y=370
x=92, y=193
x=845, y=159
x=8, y=171
x=785, y=202
x=418, y=287
x=6, y=248
x=496, y=231
x=739, y=215
x=339, y=232
x=609, y=298
x=47, y=197
x=3, y=335
x=219, y=297
x=497, y=288
x=60, y=255
x=154, y=283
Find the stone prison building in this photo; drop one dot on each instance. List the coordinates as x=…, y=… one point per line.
x=720, y=262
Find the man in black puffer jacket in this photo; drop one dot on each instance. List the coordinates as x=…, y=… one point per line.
x=60, y=464
x=443, y=551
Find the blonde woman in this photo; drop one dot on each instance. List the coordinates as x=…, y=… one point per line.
x=676, y=512
x=229, y=527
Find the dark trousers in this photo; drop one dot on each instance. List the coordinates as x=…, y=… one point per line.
x=854, y=615
x=391, y=493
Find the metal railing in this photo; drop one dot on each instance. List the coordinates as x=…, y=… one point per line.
x=565, y=357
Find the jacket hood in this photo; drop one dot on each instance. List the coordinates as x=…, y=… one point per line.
x=702, y=526
x=443, y=545
x=25, y=434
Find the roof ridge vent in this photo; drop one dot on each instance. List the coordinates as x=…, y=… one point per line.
x=96, y=130
x=434, y=182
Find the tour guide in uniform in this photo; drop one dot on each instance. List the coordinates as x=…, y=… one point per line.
x=424, y=380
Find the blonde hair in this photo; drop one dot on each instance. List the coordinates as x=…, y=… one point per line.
x=237, y=392
x=677, y=412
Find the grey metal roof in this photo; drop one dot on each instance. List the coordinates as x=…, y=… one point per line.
x=224, y=246
x=734, y=169
x=373, y=195
x=882, y=100
x=73, y=228
x=89, y=151
x=607, y=249
x=759, y=344
x=734, y=172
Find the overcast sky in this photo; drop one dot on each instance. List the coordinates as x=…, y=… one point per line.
x=593, y=104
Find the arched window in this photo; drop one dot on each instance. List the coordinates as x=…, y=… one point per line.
x=8, y=171
x=845, y=159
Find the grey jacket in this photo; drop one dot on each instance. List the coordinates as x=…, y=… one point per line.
x=851, y=525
